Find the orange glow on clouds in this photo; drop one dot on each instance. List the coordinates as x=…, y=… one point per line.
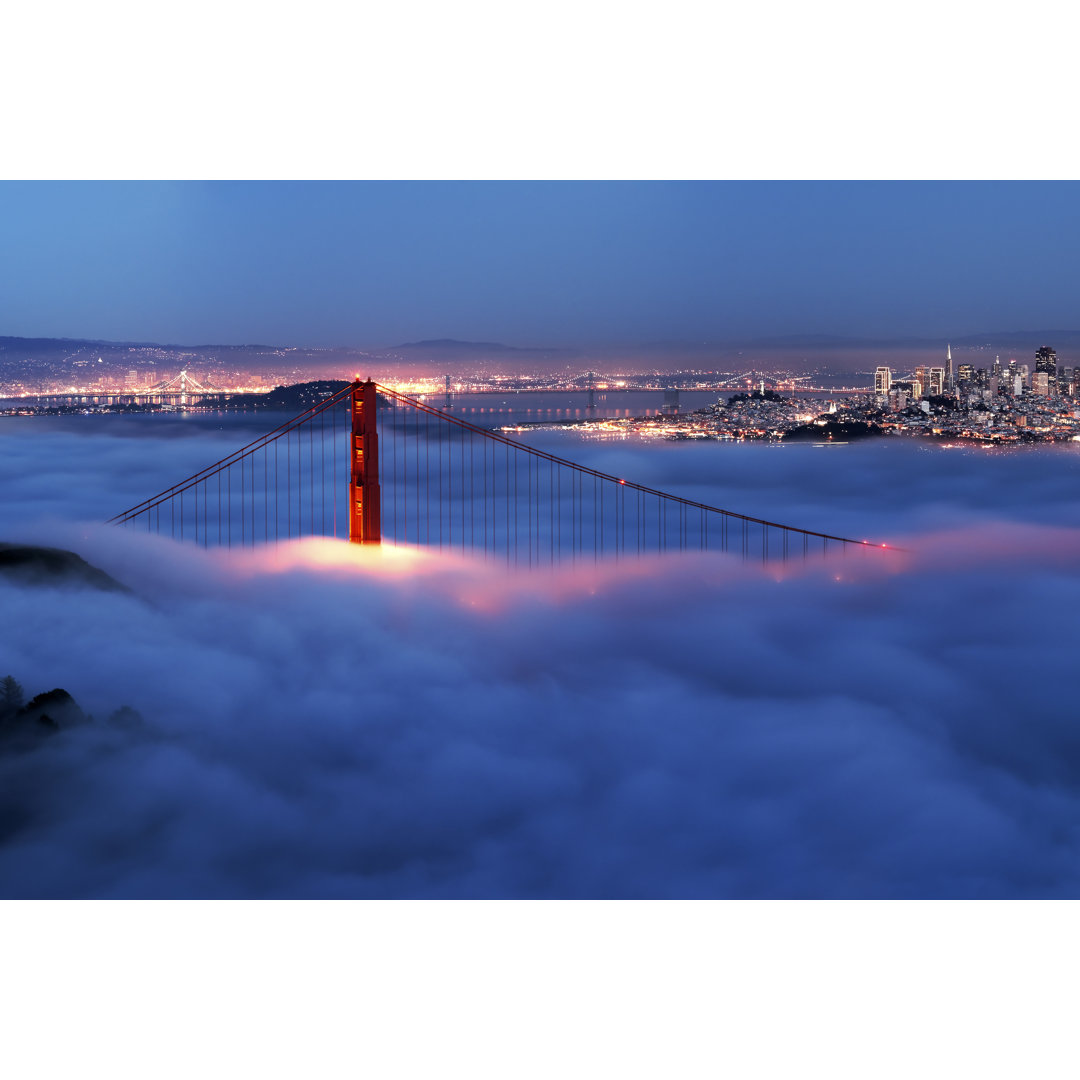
x=490, y=588
x=319, y=553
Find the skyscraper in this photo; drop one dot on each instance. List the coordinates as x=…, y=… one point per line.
x=1046, y=363
x=882, y=381
x=937, y=381
x=950, y=383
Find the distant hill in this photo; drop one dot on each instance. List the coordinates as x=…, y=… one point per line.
x=28, y=346
x=1002, y=338
x=45, y=345
x=838, y=341
x=449, y=345
x=32, y=565
x=1022, y=338
x=292, y=398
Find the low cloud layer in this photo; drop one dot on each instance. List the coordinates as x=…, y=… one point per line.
x=324, y=722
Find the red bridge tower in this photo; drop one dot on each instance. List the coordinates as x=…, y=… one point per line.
x=364, y=519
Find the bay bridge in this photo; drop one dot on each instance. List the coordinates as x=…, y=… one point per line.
x=369, y=464
x=181, y=389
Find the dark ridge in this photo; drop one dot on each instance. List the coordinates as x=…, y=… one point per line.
x=22, y=727
x=45, y=715
x=294, y=398
x=32, y=565
x=52, y=710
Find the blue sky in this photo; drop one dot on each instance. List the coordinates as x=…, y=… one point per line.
x=570, y=263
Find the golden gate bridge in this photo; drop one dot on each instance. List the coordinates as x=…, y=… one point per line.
x=369, y=464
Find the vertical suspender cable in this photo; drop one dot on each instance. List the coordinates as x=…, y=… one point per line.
x=333, y=459
x=416, y=469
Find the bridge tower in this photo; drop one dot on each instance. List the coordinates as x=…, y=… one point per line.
x=365, y=525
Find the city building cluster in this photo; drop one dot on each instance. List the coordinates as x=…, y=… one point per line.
x=1005, y=403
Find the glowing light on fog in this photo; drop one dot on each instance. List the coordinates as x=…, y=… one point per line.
x=318, y=553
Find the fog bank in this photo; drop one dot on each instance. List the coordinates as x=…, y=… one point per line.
x=326, y=722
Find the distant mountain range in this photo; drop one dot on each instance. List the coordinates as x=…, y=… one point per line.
x=449, y=346
x=66, y=344
x=446, y=347
x=24, y=358
x=1004, y=338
